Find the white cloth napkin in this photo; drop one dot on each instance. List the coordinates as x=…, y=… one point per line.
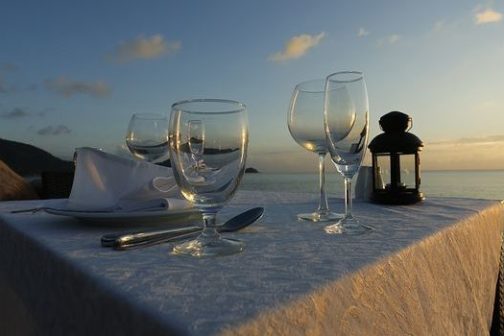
x=105, y=182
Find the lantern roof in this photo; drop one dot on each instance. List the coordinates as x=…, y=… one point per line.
x=395, y=121
x=396, y=139
x=396, y=142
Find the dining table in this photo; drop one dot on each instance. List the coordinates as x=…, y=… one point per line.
x=424, y=269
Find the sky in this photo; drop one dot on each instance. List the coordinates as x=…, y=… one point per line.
x=73, y=73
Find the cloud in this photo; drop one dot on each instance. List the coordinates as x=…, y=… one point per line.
x=487, y=106
x=297, y=46
x=474, y=140
x=18, y=113
x=32, y=87
x=439, y=26
x=391, y=39
x=3, y=86
x=54, y=130
x=487, y=16
x=143, y=48
x=68, y=87
x=6, y=88
x=5, y=68
x=8, y=67
x=15, y=113
x=362, y=32
x=461, y=153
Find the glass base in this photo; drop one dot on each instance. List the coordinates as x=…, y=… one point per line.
x=348, y=226
x=201, y=247
x=319, y=216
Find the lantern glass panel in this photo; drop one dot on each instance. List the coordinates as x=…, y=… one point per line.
x=383, y=171
x=408, y=170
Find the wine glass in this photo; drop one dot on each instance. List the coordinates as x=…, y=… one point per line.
x=196, y=131
x=208, y=141
x=346, y=121
x=306, y=126
x=147, y=137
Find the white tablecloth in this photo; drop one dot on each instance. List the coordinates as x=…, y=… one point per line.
x=427, y=269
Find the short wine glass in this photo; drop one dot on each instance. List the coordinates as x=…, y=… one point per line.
x=346, y=120
x=208, y=141
x=147, y=137
x=306, y=126
x=196, y=133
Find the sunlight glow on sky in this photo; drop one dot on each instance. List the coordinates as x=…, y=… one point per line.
x=72, y=74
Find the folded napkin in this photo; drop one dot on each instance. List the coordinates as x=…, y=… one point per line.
x=105, y=182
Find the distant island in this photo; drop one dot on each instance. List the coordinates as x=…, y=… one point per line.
x=251, y=170
x=28, y=160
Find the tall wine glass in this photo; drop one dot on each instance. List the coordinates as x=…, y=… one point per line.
x=147, y=137
x=208, y=147
x=346, y=120
x=306, y=126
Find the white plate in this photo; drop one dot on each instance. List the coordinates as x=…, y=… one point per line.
x=158, y=217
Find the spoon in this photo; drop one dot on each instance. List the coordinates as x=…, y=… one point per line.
x=124, y=241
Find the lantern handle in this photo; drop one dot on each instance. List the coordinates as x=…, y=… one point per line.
x=396, y=121
x=410, y=124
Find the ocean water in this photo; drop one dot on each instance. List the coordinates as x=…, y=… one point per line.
x=468, y=184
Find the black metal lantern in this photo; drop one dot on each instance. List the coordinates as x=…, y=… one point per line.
x=396, y=161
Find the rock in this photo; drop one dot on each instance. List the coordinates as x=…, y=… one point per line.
x=14, y=187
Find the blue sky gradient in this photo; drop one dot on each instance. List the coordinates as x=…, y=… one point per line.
x=72, y=73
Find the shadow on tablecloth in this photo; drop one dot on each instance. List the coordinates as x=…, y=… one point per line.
x=498, y=314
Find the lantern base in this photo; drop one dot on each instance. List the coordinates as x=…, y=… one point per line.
x=400, y=197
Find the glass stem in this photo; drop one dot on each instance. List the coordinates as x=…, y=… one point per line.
x=209, y=225
x=348, y=197
x=323, y=206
